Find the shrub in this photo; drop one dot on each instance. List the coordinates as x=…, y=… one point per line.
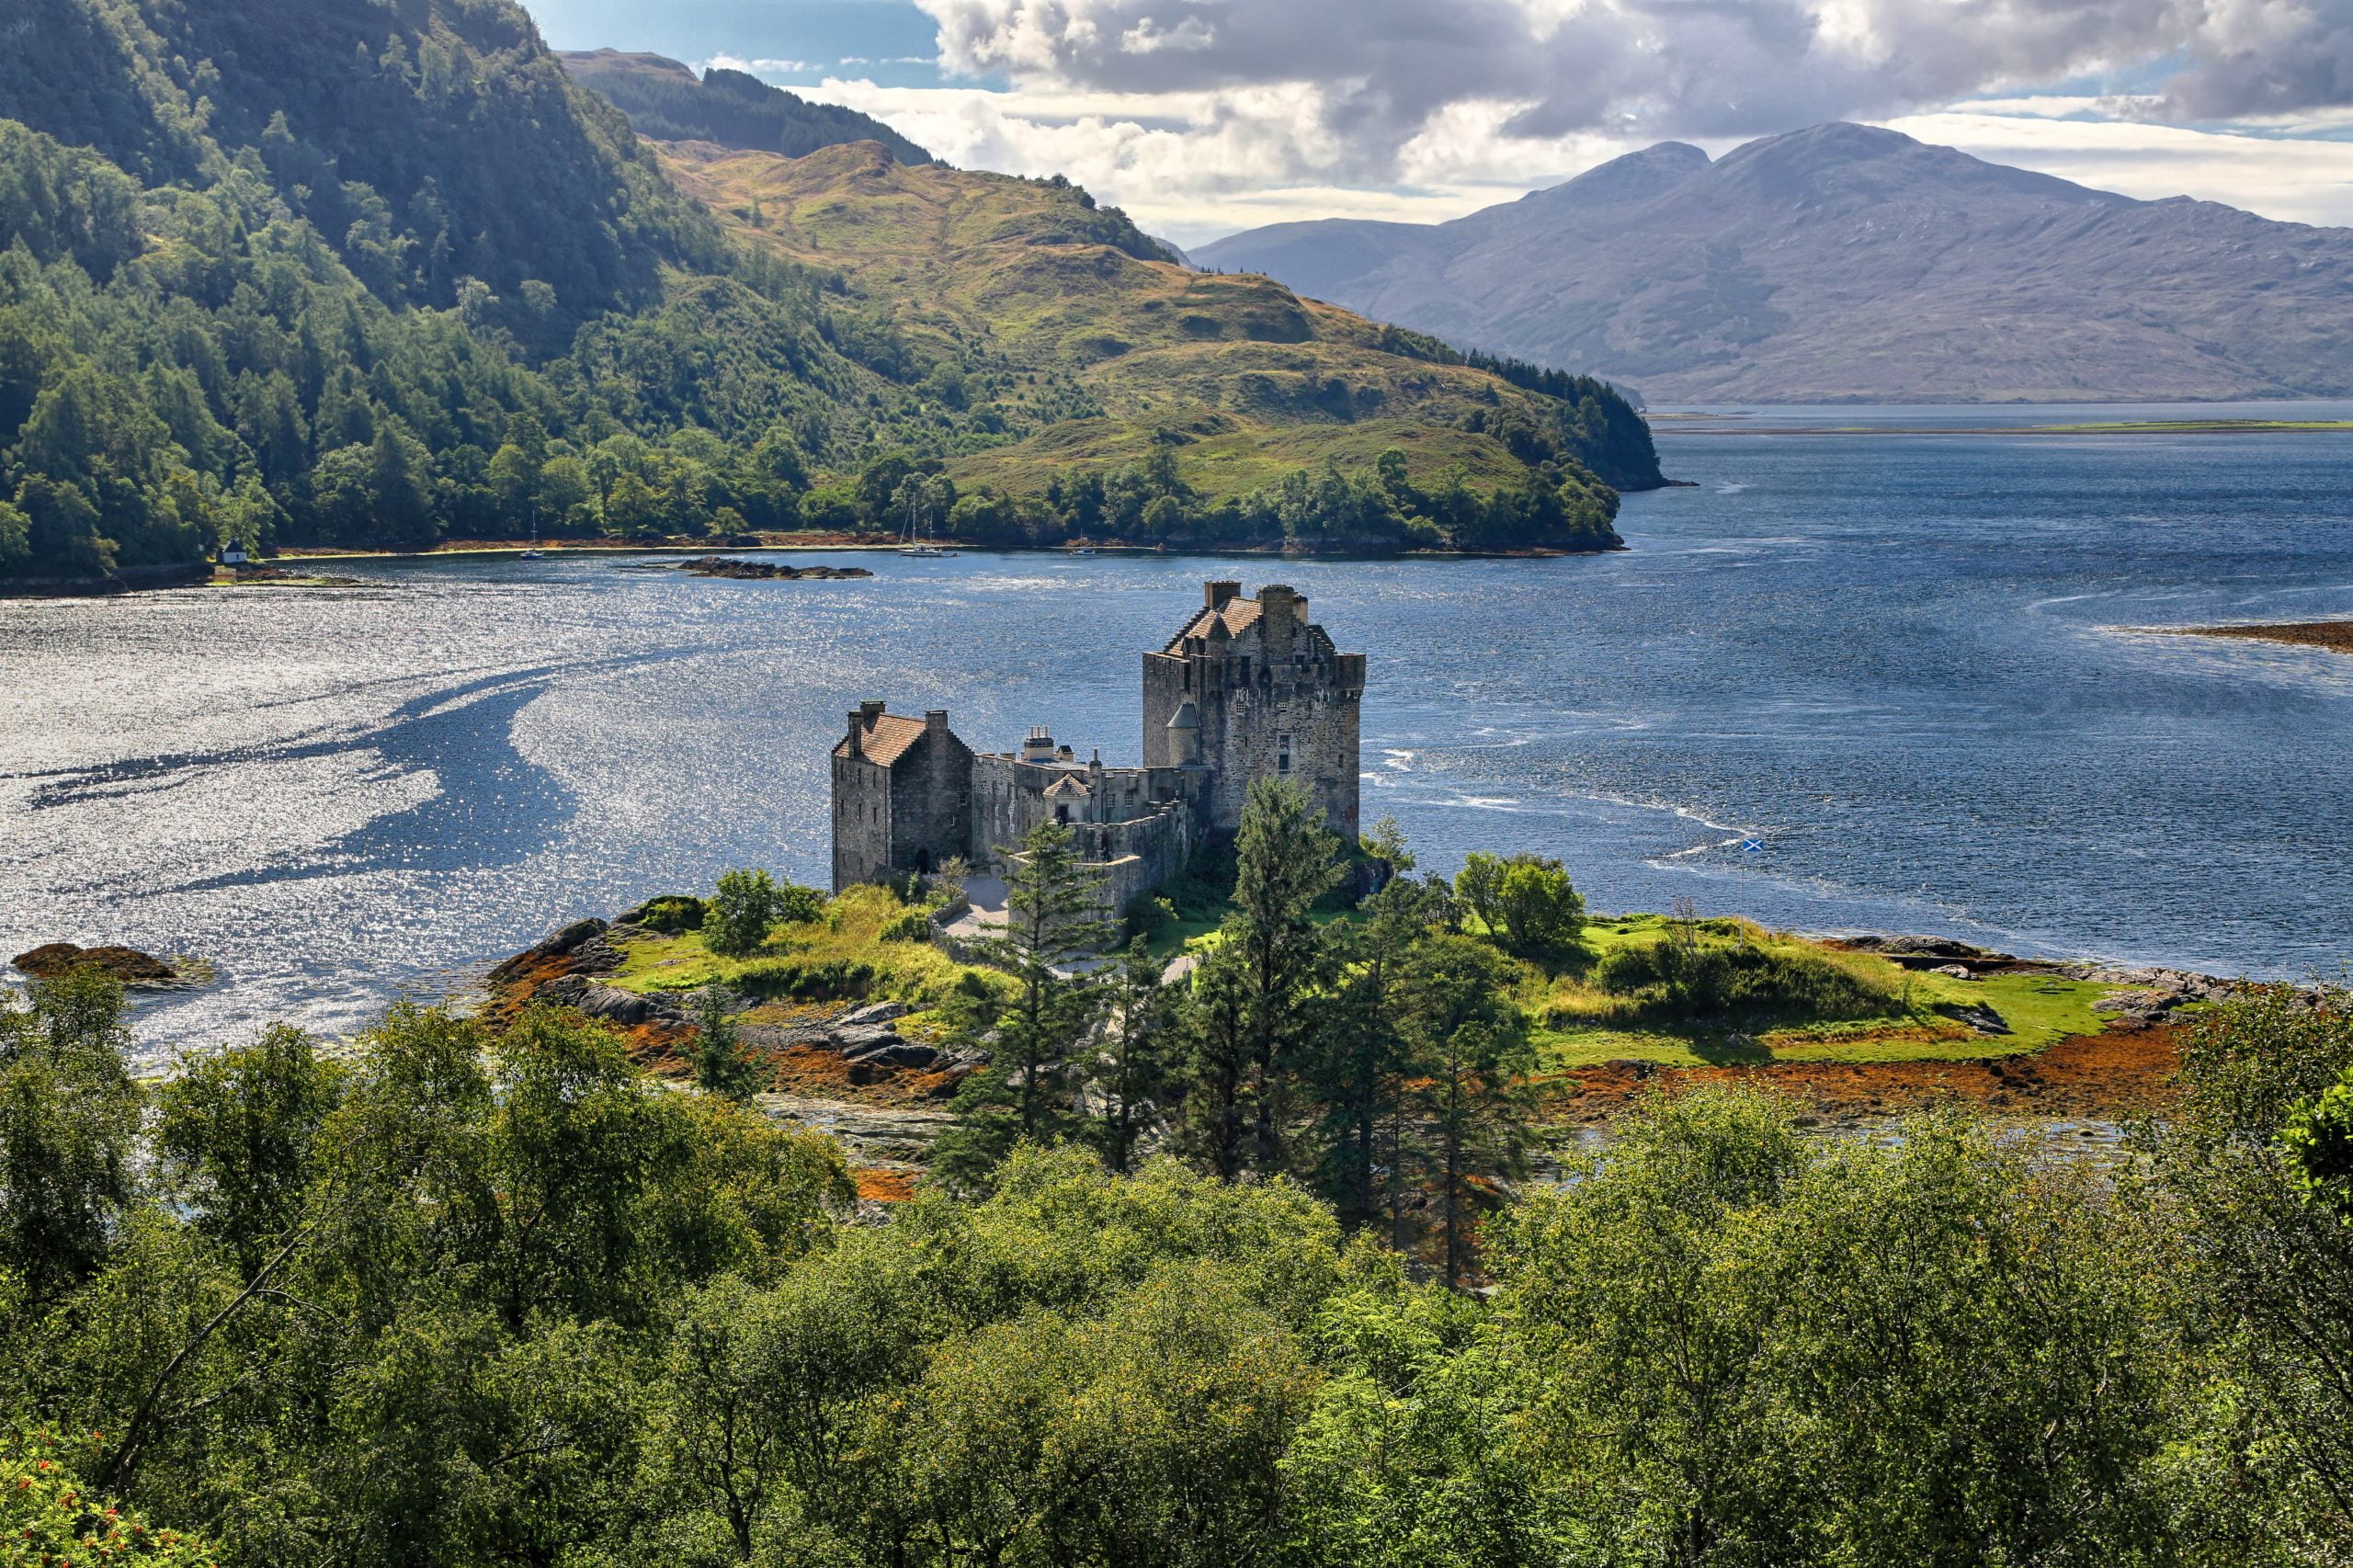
x=47, y=1515
x=671, y=912
x=736, y=922
x=797, y=906
x=1741, y=980
x=1542, y=915
x=2318, y=1139
x=811, y=980
x=915, y=926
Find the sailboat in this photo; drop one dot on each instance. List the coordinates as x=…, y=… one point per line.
x=535, y=553
x=919, y=544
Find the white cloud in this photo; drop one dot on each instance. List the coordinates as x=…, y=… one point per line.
x=2301, y=179
x=763, y=67
x=1195, y=164
x=1382, y=70
x=1204, y=116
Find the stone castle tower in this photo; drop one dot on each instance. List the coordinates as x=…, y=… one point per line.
x=1250, y=688
x=1247, y=690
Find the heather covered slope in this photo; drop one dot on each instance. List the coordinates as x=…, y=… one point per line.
x=1844, y=263
x=1048, y=302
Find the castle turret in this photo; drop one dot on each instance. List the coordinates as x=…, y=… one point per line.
x=1185, y=735
x=1251, y=688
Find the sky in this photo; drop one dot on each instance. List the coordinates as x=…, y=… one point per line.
x=1205, y=116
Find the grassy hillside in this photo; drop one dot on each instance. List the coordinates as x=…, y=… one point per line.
x=1031, y=298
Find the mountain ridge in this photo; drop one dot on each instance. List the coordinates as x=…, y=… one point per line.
x=665, y=101
x=1849, y=263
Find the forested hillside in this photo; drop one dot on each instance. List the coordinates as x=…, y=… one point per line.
x=667, y=102
x=336, y=272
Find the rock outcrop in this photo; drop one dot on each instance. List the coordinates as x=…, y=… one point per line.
x=127, y=964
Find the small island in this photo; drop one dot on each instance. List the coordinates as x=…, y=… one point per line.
x=767, y=571
x=2335, y=635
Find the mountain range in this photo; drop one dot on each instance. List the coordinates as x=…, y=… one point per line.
x=1847, y=263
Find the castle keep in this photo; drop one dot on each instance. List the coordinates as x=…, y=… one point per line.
x=1248, y=688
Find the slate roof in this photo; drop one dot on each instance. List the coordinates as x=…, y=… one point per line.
x=884, y=741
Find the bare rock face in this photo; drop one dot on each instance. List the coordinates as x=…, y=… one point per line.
x=1846, y=264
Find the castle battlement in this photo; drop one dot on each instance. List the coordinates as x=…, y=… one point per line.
x=1248, y=688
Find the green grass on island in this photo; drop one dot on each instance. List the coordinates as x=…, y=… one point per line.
x=1792, y=998
x=1894, y=1013
x=859, y=949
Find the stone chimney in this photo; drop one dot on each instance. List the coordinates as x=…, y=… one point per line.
x=859, y=717
x=1278, y=613
x=1040, y=746
x=1217, y=595
x=935, y=721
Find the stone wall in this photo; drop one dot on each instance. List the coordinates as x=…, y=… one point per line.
x=931, y=799
x=861, y=821
x=1135, y=826
x=902, y=797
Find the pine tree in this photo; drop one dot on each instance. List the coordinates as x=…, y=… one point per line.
x=1467, y=1056
x=1217, y=1062
x=1131, y=1065
x=1357, y=1077
x=720, y=1066
x=1053, y=919
x=1285, y=860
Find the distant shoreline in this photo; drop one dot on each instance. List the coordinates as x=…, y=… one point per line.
x=1713, y=424
x=199, y=576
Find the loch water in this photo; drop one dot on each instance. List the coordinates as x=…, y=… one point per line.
x=1907, y=665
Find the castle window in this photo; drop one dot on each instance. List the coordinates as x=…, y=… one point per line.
x=1282, y=754
x=1062, y=813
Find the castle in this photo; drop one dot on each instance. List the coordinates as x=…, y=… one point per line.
x=1248, y=689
